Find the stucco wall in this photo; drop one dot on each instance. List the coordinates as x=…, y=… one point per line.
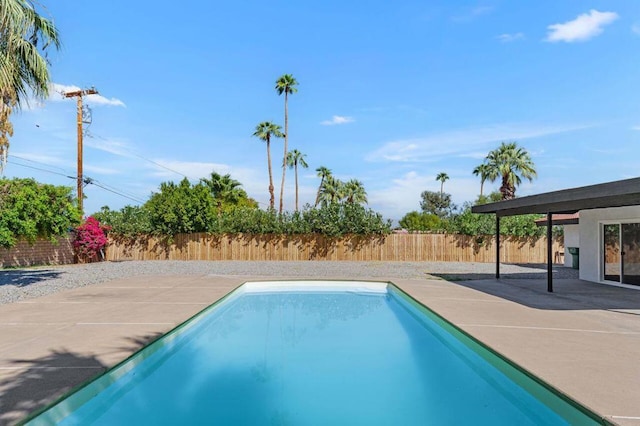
x=590, y=220
x=571, y=239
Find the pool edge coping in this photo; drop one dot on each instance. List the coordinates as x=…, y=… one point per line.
x=469, y=338
x=152, y=346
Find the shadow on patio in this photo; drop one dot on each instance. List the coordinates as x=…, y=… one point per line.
x=22, y=278
x=42, y=380
x=38, y=382
x=568, y=294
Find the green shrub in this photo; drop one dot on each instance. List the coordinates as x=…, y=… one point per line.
x=130, y=221
x=181, y=209
x=421, y=221
x=32, y=210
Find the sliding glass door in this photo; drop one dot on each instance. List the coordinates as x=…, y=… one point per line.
x=611, y=253
x=630, y=253
x=621, y=253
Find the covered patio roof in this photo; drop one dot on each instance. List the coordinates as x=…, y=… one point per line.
x=611, y=194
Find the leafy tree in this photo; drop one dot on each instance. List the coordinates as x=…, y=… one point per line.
x=250, y=221
x=442, y=177
x=285, y=84
x=420, y=221
x=333, y=220
x=469, y=223
x=25, y=38
x=485, y=224
x=294, y=159
x=32, y=210
x=511, y=163
x=323, y=174
x=485, y=171
x=181, y=208
x=339, y=219
x=265, y=131
x=436, y=203
x=130, y=221
x=353, y=192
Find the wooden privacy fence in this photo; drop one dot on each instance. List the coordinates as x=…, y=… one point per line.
x=394, y=247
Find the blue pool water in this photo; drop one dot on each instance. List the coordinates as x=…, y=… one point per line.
x=364, y=354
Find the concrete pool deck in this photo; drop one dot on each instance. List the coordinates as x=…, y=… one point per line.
x=584, y=339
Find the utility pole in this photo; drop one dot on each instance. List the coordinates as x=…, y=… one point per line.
x=79, y=94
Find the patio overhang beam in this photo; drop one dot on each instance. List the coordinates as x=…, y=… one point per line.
x=611, y=194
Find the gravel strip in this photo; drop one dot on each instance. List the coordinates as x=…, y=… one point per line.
x=28, y=283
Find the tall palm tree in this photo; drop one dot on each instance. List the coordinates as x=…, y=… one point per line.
x=354, y=192
x=323, y=174
x=511, y=163
x=224, y=189
x=332, y=191
x=294, y=159
x=442, y=177
x=285, y=84
x=264, y=131
x=25, y=37
x=485, y=172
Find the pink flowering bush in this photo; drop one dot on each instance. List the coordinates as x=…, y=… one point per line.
x=90, y=239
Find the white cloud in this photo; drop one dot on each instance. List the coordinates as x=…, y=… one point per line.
x=461, y=142
x=38, y=158
x=337, y=119
x=402, y=195
x=584, y=27
x=508, y=38
x=101, y=170
x=112, y=146
x=193, y=170
x=635, y=128
x=90, y=99
x=476, y=155
x=635, y=28
x=473, y=13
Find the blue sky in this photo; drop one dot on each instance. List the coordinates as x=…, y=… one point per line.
x=390, y=93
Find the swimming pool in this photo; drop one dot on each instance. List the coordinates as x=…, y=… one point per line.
x=316, y=353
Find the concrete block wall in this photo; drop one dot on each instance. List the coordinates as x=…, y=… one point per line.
x=42, y=252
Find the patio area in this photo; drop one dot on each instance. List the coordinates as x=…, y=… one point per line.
x=584, y=339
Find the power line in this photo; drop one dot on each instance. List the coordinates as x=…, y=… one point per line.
x=38, y=162
x=94, y=136
x=41, y=169
x=87, y=180
x=91, y=182
x=103, y=185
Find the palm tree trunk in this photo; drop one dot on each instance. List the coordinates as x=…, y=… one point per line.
x=481, y=187
x=286, y=140
x=272, y=197
x=295, y=168
x=507, y=190
x=441, y=188
x=319, y=189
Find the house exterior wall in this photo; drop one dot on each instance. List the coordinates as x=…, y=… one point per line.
x=590, y=224
x=571, y=239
